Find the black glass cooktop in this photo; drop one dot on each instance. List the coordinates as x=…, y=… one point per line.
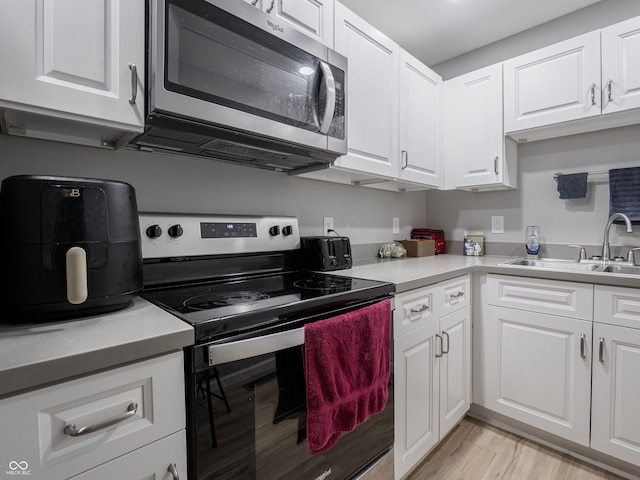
x=219, y=308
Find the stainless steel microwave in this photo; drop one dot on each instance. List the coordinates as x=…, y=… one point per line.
x=228, y=81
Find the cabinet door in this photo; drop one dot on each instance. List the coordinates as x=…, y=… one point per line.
x=455, y=368
x=75, y=60
x=620, y=66
x=371, y=95
x=555, y=84
x=313, y=17
x=615, y=423
x=540, y=370
x=416, y=396
x=420, y=123
x=161, y=460
x=478, y=149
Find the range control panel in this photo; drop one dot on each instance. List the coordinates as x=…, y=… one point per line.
x=166, y=235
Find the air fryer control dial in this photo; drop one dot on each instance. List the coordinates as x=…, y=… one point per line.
x=154, y=231
x=176, y=230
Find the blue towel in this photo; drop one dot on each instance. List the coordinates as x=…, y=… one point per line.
x=573, y=185
x=624, y=193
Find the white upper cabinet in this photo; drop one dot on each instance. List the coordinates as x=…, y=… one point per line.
x=421, y=142
x=73, y=60
x=571, y=87
x=621, y=66
x=313, y=17
x=479, y=157
x=556, y=84
x=372, y=95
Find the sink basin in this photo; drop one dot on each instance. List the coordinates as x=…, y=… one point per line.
x=557, y=263
x=624, y=269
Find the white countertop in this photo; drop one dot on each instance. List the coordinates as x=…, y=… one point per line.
x=36, y=354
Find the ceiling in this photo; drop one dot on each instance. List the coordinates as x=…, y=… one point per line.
x=438, y=30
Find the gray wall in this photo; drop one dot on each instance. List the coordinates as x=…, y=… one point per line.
x=180, y=184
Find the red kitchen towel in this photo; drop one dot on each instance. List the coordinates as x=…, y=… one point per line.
x=347, y=368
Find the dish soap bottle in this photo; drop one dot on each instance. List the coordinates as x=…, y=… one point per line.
x=533, y=241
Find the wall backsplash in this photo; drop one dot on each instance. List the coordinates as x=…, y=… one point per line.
x=536, y=200
x=182, y=184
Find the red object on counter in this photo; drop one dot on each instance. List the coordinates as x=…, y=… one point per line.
x=430, y=234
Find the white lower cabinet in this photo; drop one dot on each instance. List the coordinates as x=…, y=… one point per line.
x=535, y=360
x=615, y=423
x=432, y=368
x=102, y=423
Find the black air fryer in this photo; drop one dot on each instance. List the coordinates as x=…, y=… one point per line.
x=70, y=247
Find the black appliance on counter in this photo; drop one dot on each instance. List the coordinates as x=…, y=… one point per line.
x=71, y=246
x=325, y=253
x=237, y=281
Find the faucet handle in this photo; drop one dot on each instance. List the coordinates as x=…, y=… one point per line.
x=630, y=256
x=583, y=252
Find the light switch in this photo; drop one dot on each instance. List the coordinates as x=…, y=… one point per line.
x=497, y=224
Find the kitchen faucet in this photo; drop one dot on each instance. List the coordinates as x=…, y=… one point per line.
x=605, y=243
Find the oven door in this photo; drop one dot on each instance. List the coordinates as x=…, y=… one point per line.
x=223, y=62
x=247, y=416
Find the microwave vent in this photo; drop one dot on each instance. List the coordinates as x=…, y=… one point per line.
x=237, y=149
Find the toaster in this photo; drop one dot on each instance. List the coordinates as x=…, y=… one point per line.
x=325, y=253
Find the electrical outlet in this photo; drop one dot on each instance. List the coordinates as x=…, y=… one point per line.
x=327, y=223
x=396, y=225
x=497, y=224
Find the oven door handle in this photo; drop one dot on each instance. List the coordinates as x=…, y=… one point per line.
x=252, y=347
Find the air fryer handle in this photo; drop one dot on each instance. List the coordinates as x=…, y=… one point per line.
x=330, y=106
x=76, y=270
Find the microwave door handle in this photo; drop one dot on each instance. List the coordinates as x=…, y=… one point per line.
x=330, y=107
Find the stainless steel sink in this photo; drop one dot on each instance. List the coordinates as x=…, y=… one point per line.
x=557, y=263
x=623, y=269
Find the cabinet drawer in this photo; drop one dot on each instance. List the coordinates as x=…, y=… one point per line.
x=567, y=299
x=156, y=460
x=617, y=306
x=129, y=407
x=413, y=310
x=452, y=295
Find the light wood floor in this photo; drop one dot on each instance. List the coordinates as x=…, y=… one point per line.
x=477, y=451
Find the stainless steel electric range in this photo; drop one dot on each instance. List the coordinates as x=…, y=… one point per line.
x=238, y=281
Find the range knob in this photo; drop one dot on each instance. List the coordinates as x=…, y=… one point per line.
x=275, y=230
x=154, y=231
x=176, y=230
x=288, y=230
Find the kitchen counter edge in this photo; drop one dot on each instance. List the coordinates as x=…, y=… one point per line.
x=40, y=354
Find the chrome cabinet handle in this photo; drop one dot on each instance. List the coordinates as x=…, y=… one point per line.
x=405, y=159
x=330, y=105
x=73, y=431
x=420, y=308
x=173, y=470
x=134, y=83
x=271, y=6
x=601, y=350
x=447, y=350
x=495, y=165
x=254, y=3
x=609, y=90
x=455, y=296
x=583, y=345
x=438, y=355
x=593, y=94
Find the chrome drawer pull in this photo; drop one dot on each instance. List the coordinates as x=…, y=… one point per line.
x=173, y=470
x=583, y=342
x=72, y=431
x=420, y=308
x=456, y=295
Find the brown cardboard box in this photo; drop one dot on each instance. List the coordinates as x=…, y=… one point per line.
x=419, y=248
